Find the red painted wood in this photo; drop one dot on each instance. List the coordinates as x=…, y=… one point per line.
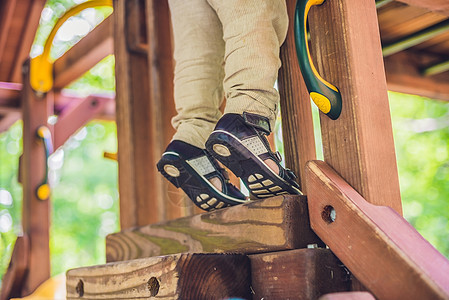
x=389, y=257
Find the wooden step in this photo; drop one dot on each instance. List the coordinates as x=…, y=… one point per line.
x=297, y=274
x=273, y=224
x=178, y=276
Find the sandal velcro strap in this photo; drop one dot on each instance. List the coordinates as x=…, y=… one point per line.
x=259, y=122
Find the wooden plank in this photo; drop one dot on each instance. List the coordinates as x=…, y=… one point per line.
x=297, y=274
x=27, y=37
x=377, y=245
x=13, y=278
x=85, y=54
x=36, y=213
x=180, y=276
x=348, y=296
x=297, y=124
x=273, y=224
x=77, y=115
x=404, y=76
x=348, y=54
x=440, y=6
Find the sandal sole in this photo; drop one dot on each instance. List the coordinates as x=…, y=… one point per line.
x=199, y=190
x=260, y=180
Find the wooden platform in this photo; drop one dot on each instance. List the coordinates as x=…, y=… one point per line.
x=279, y=223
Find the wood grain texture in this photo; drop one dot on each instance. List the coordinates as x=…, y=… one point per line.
x=377, y=245
x=297, y=274
x=161, y=69
x=35, y=212
x=272, y=224
x=144, y=85
x=297, y=124
x=348, y=296
x=179, y=276
x=85, y=54
x=140, y=186
x=359, y=145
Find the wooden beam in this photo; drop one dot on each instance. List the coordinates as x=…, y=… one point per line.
x=377, y=245
x=179, y=276
x=297, y=274
x=415, y=38
x=282, y=220
x=17, y=14
x=9, y=97
x=436, y=69
x=439, y=6
x=404, y=75
x=9, y=119
x=36, y=213
x=359, y=145
x=27, y=37
x=6, y=15
x=297, y=124
x=85, y=54
x=348, y=296
x=77, y=115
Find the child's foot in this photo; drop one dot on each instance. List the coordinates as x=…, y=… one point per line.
x=198, y=174
x=239, y=142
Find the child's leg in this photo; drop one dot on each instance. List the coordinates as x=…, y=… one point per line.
x=199, y=53
x=253, y=32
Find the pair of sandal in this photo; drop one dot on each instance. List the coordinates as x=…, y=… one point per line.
x=238, y=142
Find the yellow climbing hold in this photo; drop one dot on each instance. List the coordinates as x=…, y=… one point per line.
x=321, y=101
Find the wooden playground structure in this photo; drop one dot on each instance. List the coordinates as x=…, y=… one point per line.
x=272, y=248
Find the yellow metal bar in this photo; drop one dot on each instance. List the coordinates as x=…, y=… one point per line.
x=41, y=72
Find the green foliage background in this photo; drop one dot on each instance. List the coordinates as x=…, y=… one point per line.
x=85, y=197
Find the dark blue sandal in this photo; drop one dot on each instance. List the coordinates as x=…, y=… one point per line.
x=190, y=168
x=239, y=142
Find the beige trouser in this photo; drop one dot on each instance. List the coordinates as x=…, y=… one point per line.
x=225, y=48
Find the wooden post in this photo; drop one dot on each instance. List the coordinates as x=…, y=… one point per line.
x=359, y=145
x=36, y=213
x=161, y=67
x=297, y=124
x=141, y=92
